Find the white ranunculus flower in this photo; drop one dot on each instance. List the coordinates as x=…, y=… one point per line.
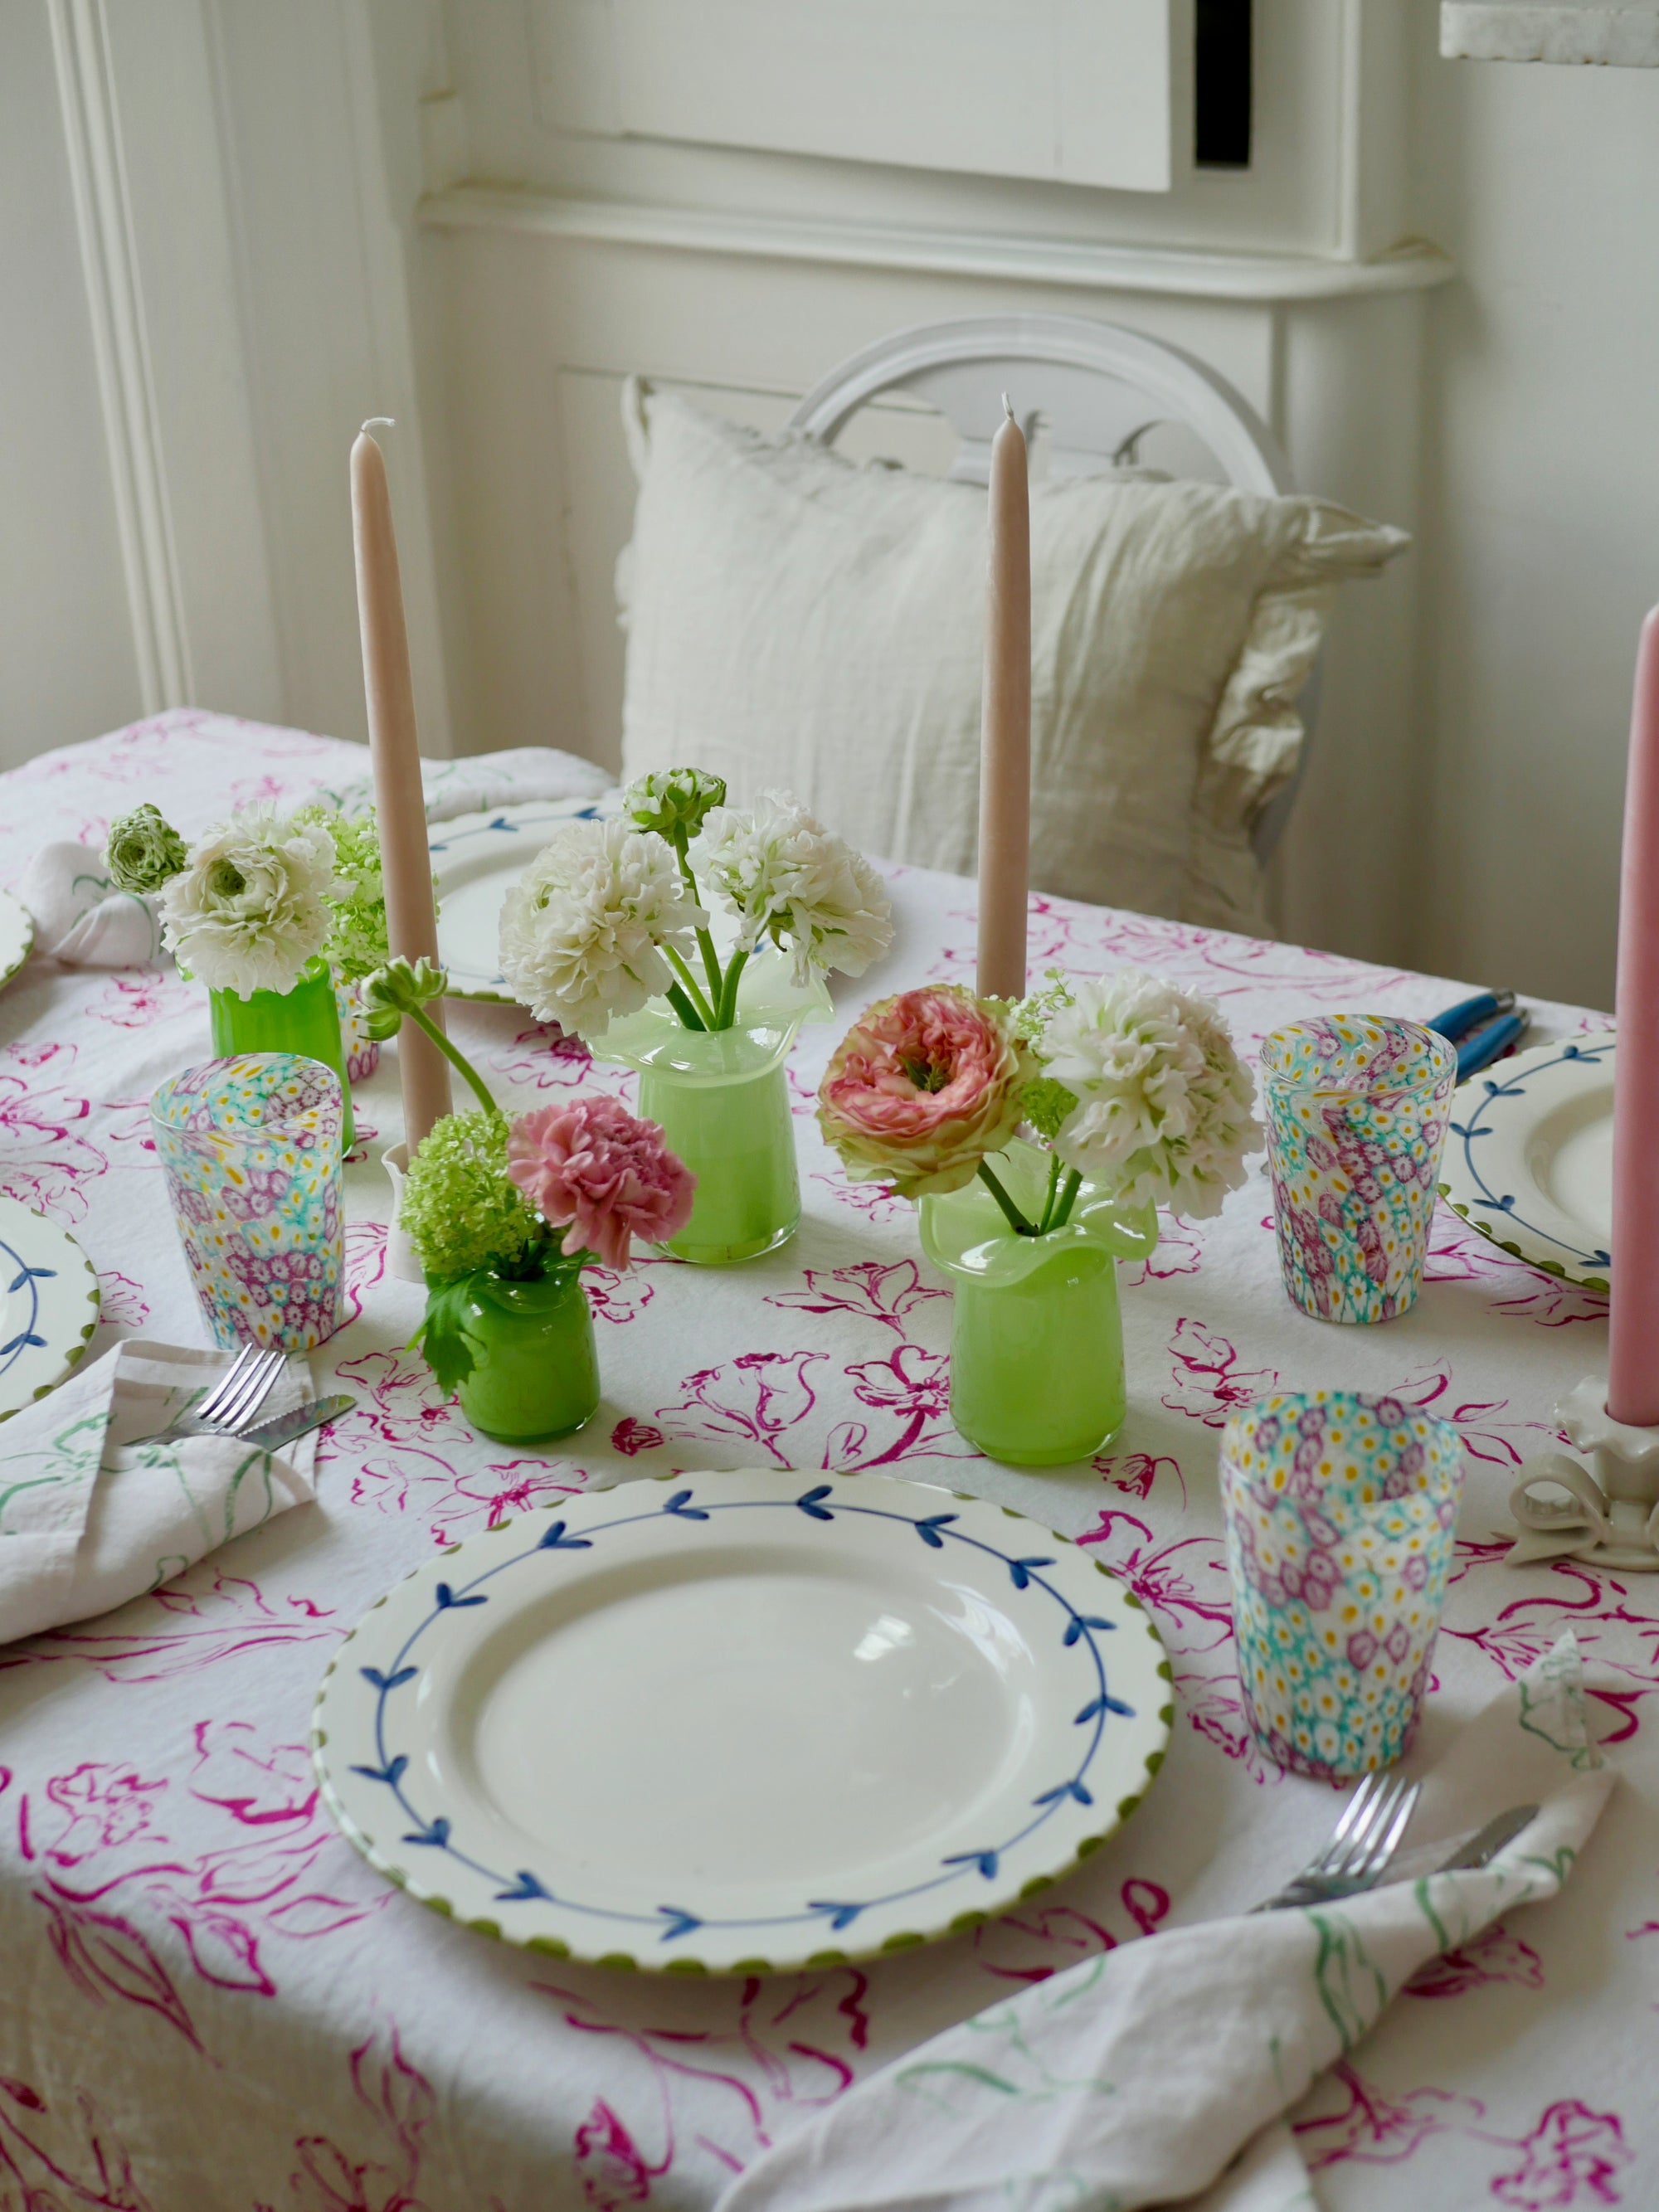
x=787, y=877
x=1163, y=1115
x=247, y=913
x=583, y=927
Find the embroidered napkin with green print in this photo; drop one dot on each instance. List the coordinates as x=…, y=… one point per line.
x=1156, y=2073
x=88, y=1519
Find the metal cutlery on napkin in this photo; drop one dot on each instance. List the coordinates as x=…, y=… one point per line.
x=230, y=1408
x=1367, y=1837
x=283, y=1428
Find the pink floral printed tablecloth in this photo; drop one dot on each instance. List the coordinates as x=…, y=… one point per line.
x=207, y=2001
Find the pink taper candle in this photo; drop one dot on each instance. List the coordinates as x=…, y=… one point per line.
x=1004, y=770
x=411, y=920
x=1633, y=1374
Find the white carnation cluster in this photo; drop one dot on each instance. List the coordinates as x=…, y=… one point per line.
x=248, y=912
x=1163, y=1115
x=583, y=928
x=787, y=877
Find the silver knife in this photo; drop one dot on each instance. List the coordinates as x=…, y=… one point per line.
x=1486, y=1843
x=283, y=1428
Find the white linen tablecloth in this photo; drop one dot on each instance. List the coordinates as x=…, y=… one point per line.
x=208, y=2002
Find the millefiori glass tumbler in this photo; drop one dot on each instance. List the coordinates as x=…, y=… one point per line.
x=254, y=1154
x=1356, y=1112
x=1341, y=1512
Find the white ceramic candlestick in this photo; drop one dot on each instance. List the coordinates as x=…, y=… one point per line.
x=1610, y=1515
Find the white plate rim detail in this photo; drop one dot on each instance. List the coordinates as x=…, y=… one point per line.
x=474, y=1897
x=1485, y=1178
x=64, y=1299
x=444, y=838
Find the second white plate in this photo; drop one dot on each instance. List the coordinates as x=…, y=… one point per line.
x=476, y=860
x=733, y=1723
x=1529, y=1157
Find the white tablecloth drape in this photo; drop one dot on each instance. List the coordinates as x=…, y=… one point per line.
x=208, y=2002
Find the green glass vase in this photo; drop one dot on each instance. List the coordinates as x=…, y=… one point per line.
x=304, y=1020
x=535, y=1373
x=1036, y=1337
x=722, y=1100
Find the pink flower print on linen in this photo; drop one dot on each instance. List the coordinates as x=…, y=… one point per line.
x=1459, y=1254
x=1178, y=1251
x=400, y=2104
x=1622, y=1643
x=544, y=1058
x=621, y=1296
x=614, y=2172
x=1185, y=1584
x=1207, y=1380
x=1136, y=1471
x=751, y=1401
x=121, y=1304
x=63, y=2157
x=365, y=1265
x=1502, y=1443
x=1365, y=2124
x=1493, y=1955
x=1036, y=1941
x=100, y=1809
x=484, y=1497
x=404, y=1406
x=912, y=1388
x=1571, y=2158
x=869, y=1290
x=178, y=1631
x=141, y=997
x=873, y=1200
x=45, y=1159
x=630, y=1437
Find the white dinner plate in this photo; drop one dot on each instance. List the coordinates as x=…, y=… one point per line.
x=17, y=936
x=476, y=860
x=1529, y=1157
x=735, y=1722
x=48, y=1305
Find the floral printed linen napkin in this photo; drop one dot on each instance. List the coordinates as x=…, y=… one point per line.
x=88, y=1520
x=1135, y=2078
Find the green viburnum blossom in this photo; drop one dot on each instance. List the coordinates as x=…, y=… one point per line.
x=1044, y=1104
x=462, y=1211
x=356, y=943
x=396, y=989
x=673, y=802
x=144, y=851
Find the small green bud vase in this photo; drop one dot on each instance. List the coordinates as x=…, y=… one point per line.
x=536, y=1372
x=304, y=1020
x=722, y=1100
x=1036, y=1337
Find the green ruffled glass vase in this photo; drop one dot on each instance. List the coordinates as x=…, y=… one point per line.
x=1036, y=1337
x=535, y=1373
x=722, y=1100
x=304, y=1020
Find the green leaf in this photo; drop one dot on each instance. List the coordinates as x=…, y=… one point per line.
x=441, y=1338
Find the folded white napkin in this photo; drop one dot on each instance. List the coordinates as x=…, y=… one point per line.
x=1136, y=2078
x=88, y=1520
x=81, y=918
x=481, y=780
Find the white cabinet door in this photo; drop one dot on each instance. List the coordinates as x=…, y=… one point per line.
x=1083, y=92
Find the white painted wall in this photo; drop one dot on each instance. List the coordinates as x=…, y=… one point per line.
x=1540, y=515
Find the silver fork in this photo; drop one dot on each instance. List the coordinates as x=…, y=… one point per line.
x=1361, y=1848
x=232, y=1402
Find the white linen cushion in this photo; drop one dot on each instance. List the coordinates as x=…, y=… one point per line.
x=798, y=622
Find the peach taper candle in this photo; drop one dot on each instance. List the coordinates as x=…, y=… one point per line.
x=1633, y=1356
x=1005, y=773
x=411, y=917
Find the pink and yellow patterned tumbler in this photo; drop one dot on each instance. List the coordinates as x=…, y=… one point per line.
x=251, y=1149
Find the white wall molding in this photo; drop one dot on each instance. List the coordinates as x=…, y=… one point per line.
x=103, y=211
x=1000, y=257
x=1582, y=31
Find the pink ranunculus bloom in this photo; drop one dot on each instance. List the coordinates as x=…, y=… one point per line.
x=590, y=1167
x=922, y=1089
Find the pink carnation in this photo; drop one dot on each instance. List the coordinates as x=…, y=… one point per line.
x=923, y=1088
x=591, y=1165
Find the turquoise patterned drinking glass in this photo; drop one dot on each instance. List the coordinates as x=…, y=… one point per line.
x=1342, y=1513
x=1357, y=1110
x=254, y=1151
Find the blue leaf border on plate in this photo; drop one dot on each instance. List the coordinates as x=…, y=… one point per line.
x=1080, y=1631
x=1501, y=1205
x=18, y=1271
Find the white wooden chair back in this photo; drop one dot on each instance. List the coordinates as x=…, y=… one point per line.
x=1098, y=390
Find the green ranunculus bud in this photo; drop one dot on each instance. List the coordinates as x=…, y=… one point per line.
x=144, y=850
x=674, y=802
x=396, y=990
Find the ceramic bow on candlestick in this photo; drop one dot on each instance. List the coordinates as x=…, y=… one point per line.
x=1040, y=1138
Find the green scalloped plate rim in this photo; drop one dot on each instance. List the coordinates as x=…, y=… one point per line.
x=72, y=1331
